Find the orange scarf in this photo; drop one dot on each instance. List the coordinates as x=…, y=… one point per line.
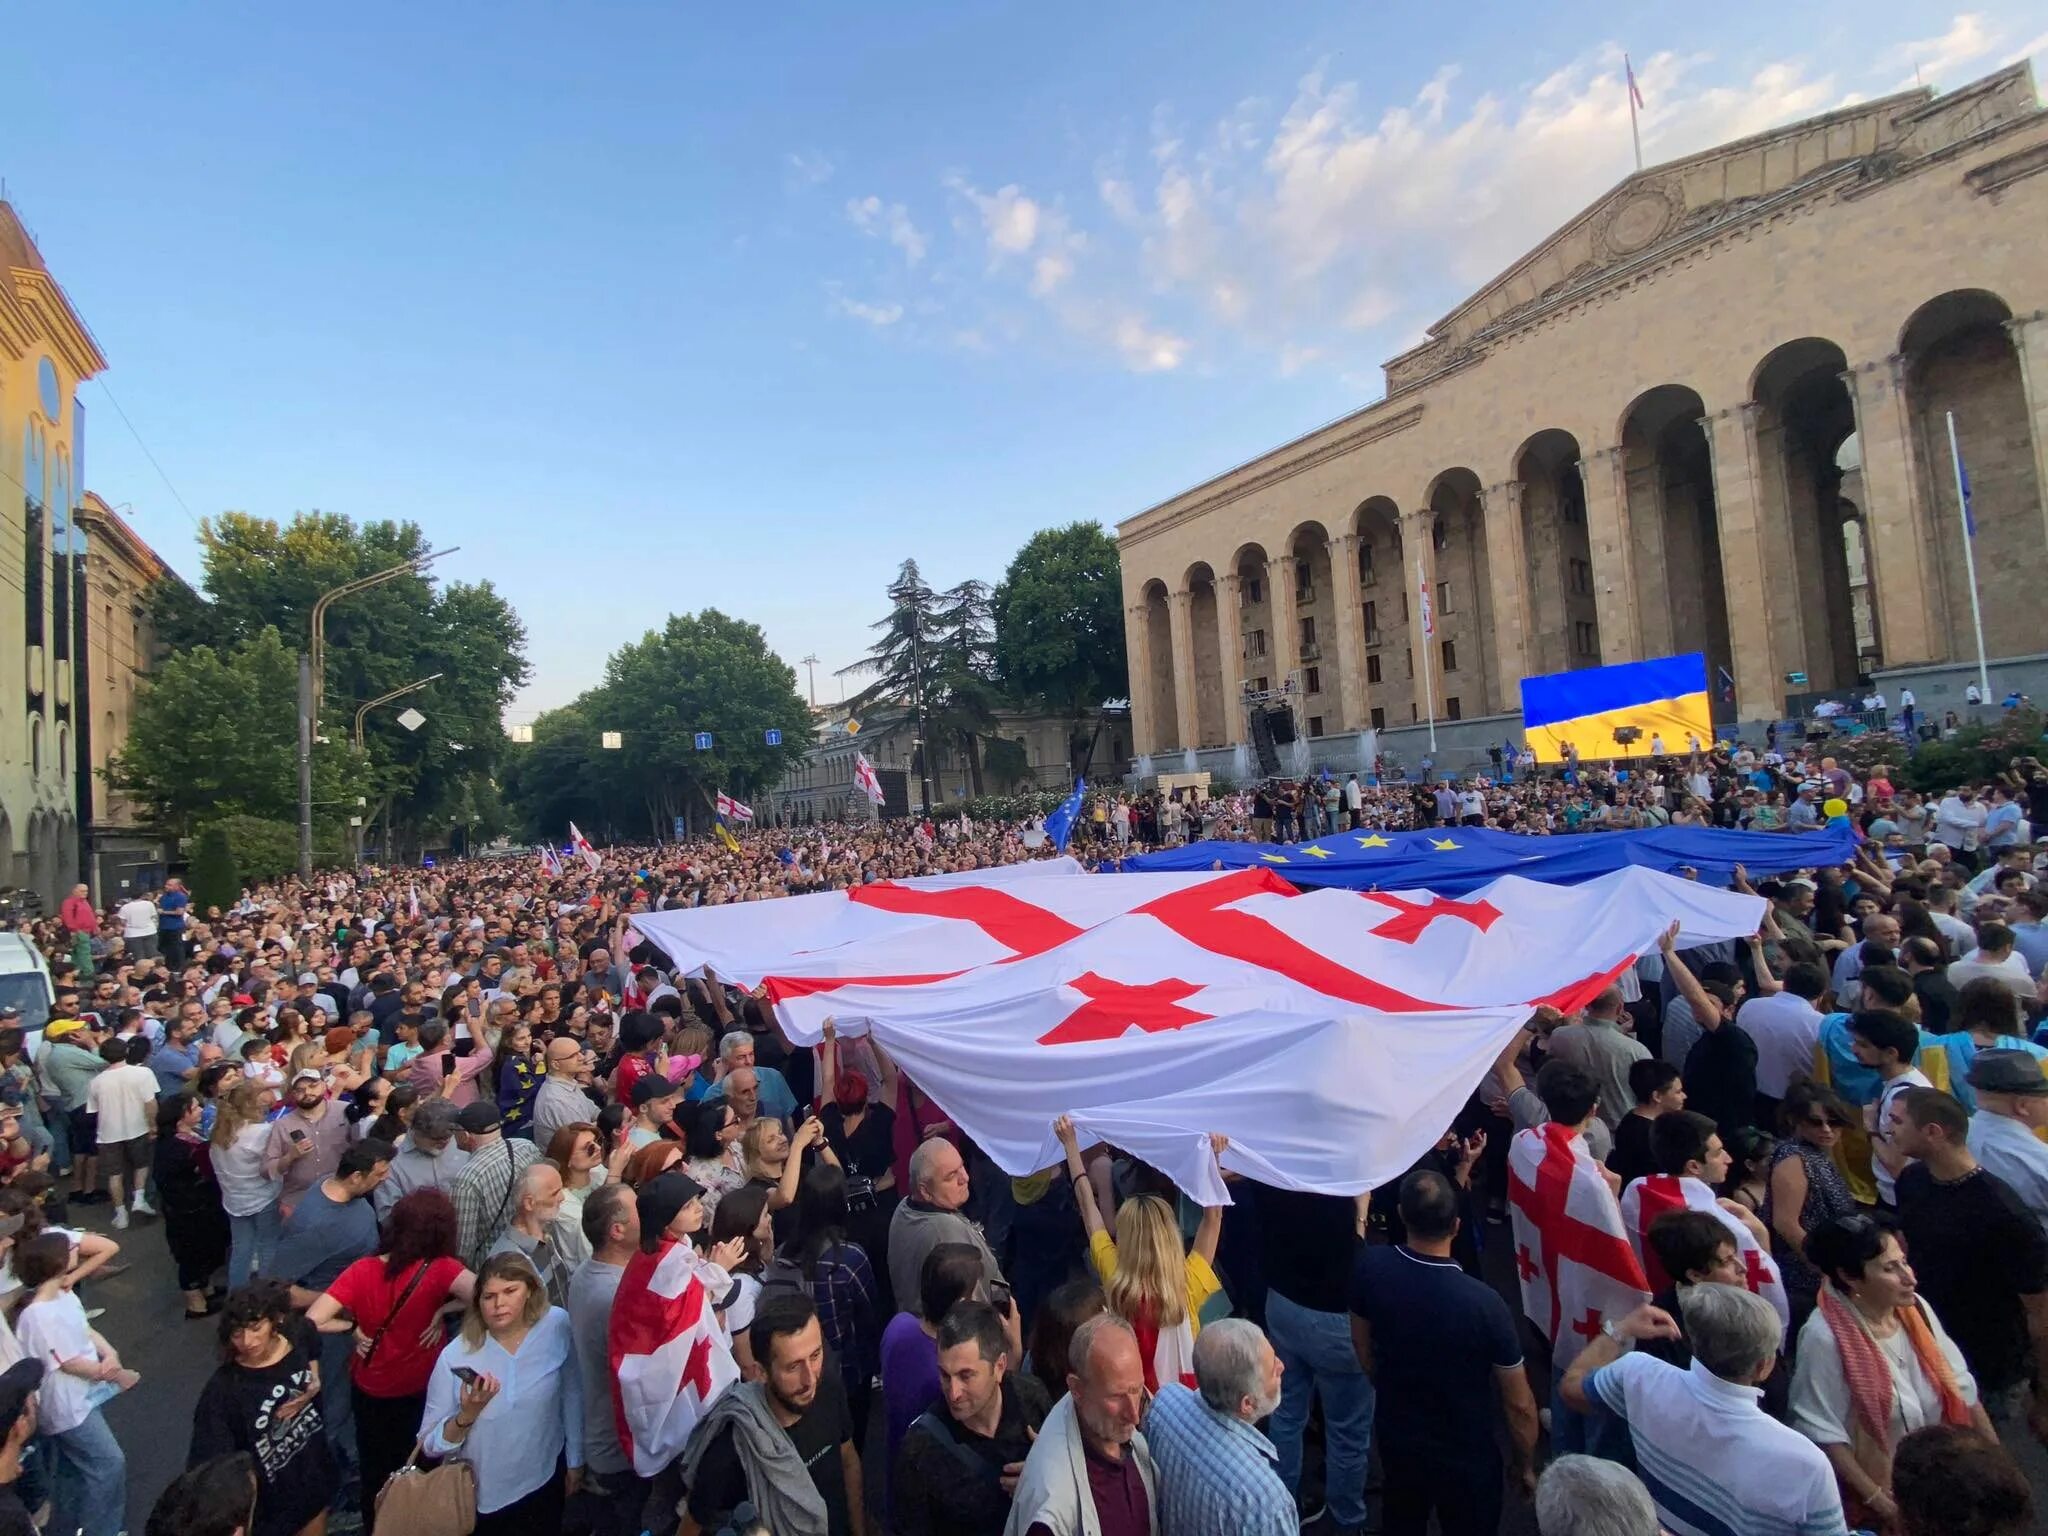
x=1871, y=1390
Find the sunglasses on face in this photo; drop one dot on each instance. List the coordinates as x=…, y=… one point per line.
x=1822, y=1122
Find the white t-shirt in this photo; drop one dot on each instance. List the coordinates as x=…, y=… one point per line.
x=54, y=1332
x=1878, y=1122
x=1821, y=1408
x=138, y=918
x=124, y=1098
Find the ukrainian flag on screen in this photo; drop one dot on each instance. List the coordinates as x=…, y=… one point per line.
x=1665, y=700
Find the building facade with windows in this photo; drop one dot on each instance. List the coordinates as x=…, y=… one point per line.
x=1709, y=414
x=46, y=353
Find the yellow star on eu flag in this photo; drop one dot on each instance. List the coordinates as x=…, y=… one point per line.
x=1375, y=841
x=1316, y=853
x=1442, y=842
x=1274, y=858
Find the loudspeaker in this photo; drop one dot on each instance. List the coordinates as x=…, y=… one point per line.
x=1281, y=723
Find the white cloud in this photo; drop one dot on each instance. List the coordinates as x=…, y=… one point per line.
x=878, y=315
x=1049, y=271
x=1009, y=219
x=2032, y=48
x=1942, y=60
x=806, y=168
x=1145, y=349
x=888, y=221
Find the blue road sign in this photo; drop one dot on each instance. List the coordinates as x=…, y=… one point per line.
x=703, y=741
x=773, y=738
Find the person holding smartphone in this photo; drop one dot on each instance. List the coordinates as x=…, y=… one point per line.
x=306, y=1141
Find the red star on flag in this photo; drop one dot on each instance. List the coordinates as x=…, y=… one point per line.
x=1114, y=1007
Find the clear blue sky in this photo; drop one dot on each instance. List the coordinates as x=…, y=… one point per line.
x=656, y=306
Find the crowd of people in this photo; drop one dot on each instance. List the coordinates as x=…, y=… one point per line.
x=430, y=1148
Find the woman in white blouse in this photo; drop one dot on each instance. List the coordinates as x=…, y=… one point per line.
x=1874, y=1364
x=505, y=1398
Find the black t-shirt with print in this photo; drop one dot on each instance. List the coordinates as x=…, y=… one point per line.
x=238, y=1411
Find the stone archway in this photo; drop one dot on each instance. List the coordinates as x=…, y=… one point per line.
x=1681, y=587
x=1803, y=416
x=1315, y=648
x=1211, y=708
x=44, y=872
x=1159, y=647
x=1461, y=653
x=1960, y=358
x=1557, y=555
x=1390, y=687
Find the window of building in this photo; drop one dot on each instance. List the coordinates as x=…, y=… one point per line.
x=1411, y=663
x=1451, y=709
x=1315, y=725
x=1439, y=535
x=1583, y=640
x=1379, y=719
x=1259, y=685
x=1304, y=586
x=1366, y=574
x=1313, y=680
x=1255, y=644
x=1443, y=598
x=1308, y=629
x=1372, y=623
x=1372, y=669
x=1450, y=655
x=1252, y=589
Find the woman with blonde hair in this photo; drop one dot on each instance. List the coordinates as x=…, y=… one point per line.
x=241, y=1130
x=505, y=1396
x=1149, y=1279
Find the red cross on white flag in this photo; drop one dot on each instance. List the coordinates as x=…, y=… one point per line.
x=1571, y=1250
x=1647, y=1199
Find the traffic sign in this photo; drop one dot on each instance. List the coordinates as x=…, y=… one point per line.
x=703, y=741
x=773, y=738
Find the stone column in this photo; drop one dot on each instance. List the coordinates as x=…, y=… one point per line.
x=1181, y=636
x=1418, y=546
x=1738, y=509
x=1897, y=526
x=1349, y=617
x=1657, y=625
x=1500, y=509
x=1283, y=645
x=1138, y=647
x=2030, y=340
x=1614, y=585
x=1230, y=656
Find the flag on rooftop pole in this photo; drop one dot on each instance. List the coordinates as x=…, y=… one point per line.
x=583, y=849
x=734, y=810
x=1635, y=105
x=1969, y=516
x=864, y=777
x=1060, y=824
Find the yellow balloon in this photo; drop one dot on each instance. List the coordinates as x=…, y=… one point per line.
x=1835, y=807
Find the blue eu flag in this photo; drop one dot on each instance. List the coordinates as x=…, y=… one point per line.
x=1061, y=822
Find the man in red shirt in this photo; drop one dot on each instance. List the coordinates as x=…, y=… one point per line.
x=81, y=922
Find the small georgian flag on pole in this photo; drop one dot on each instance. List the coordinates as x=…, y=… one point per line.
x=734, y=810
x=583, y=849
x=864, y=777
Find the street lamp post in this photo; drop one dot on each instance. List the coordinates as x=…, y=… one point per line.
x=312, y=687
x=382, y=698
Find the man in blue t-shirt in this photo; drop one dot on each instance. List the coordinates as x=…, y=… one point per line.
x=1440, y=1347
x=171, y=907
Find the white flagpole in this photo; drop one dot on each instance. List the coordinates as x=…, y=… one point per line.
x=1634, y=132
x=1955, y=457
x=1428, y=634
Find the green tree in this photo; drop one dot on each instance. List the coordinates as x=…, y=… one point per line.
x=260, y=574
x=699, y=672
x=215, y=734
x=1059, y=624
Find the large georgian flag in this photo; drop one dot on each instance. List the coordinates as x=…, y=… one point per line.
x=1572, y=1250
x=669, y=1356
x=1331, y=1035
x=1648, y=1198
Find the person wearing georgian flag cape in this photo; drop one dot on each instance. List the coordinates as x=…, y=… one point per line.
x=669, y=1353
x=1577, y=1270
x=1688, y=1150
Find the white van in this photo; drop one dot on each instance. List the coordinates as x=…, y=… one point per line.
x=25, y=984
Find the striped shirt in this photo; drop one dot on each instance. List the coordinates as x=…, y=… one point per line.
x=1217, y=1474
x=1715, y=1465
